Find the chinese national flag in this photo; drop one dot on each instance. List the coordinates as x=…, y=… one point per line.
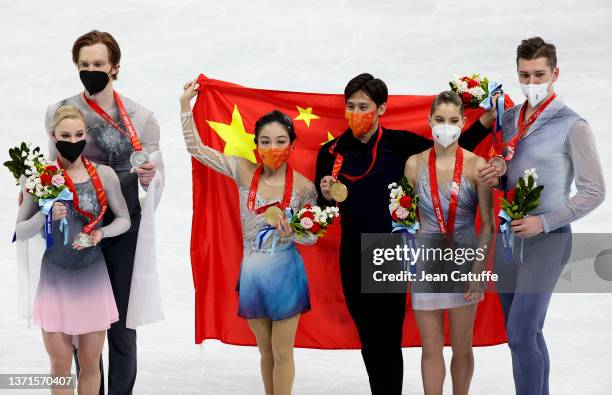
x=225, y=116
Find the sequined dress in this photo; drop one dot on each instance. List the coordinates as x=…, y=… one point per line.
x=74, y=294
x=272, y=282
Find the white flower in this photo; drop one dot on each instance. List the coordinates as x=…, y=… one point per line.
x=24, y=154
x=530, y=172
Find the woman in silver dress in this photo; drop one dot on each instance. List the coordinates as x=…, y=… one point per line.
x=446, y=179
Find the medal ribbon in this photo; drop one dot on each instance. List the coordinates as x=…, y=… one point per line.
x=130, y=133
x=448, y=228
x=340, y=159
x=255, y=184
x=523, y=127
x=97, y=183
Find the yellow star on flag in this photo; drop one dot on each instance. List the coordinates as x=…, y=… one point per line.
x=237, y=141
x=305, y=115
x=330, y=137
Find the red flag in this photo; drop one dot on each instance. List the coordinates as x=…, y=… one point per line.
x=225, y=116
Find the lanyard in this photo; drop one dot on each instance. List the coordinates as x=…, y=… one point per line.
x=448, y=228
x=100, y=193
x=255, y=184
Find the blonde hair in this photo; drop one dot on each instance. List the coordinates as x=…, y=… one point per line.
x=66, y=112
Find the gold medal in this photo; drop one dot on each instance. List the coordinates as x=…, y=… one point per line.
x=339, y=191
x=499, y=164
x=272, y=213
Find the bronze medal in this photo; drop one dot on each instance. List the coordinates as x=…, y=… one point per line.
x=499, y=164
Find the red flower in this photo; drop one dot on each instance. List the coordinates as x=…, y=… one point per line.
x=51, y=169
x=466, y=78
x=405, y=201
x=472, y=83
x=308, y=205
x=308, y=214
x=511, y=195
x=45, y=179
x=315, y=228
x=466, y=97
x=394, y=216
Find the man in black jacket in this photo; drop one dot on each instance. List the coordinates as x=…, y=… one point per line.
x=366, y=160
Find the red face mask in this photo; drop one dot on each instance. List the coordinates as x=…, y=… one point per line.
x=360, y=123
x=274, y=157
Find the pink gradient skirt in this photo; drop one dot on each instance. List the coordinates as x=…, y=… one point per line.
x=74, y=302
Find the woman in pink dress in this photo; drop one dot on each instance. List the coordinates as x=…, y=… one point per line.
x=74, y=300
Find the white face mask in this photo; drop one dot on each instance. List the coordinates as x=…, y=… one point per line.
x=445, y=134
x=535, y=93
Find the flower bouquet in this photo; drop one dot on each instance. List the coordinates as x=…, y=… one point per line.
x=46, y=183
x=473, y=89
x=22, y=158
x=517, y=204
x=313, y=220
x=403, y=203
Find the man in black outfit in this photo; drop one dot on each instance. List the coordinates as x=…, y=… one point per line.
x=379, y=317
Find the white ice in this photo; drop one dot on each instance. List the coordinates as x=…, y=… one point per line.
x=314, y=46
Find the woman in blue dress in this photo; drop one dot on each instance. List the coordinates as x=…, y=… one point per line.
x=273, y=288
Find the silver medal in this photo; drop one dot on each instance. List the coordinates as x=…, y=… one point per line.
x=84, y=240
x=139, y=158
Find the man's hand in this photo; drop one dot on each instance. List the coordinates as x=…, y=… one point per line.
x=326, y=183
x=527, y=227
x=146, y=172
x=488, y=117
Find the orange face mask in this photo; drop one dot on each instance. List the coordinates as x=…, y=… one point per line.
x=360, y=124
x=274, y=157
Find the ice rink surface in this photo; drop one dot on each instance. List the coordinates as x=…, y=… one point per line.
x=314, y=46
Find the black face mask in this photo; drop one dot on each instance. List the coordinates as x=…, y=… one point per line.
x=70, y=151
x=94, y=81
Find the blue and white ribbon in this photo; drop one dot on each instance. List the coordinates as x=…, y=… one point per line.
x=508, y=237
x=270, y=231
x=46, y=206
x=487, y=103
x=409, y=238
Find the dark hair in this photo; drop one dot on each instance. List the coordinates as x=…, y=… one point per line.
x=448, y=97
x=374, y=88
x=536, y=47
x=278, y=117
x=98, y=37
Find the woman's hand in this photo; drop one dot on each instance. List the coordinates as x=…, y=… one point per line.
x=488, y=176
x=283, y=227
x=189, y=92
x=473, y=293
x=59, y=211
x=96, y=237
